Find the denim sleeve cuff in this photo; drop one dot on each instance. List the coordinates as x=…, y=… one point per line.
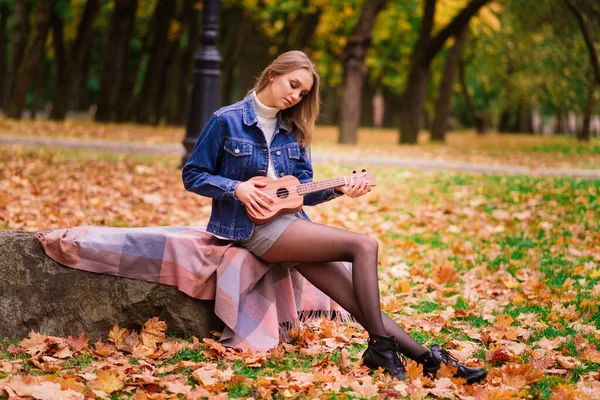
x=230, y=188
x=332, y=194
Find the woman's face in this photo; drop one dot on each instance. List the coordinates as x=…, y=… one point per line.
x=288, y=89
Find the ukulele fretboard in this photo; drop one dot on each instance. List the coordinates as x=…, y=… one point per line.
x=311, y=187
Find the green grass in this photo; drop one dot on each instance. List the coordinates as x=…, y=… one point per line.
x=567, y=149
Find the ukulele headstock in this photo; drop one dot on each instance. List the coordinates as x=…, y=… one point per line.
x=366, y=175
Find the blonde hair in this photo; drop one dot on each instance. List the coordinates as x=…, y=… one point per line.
x=300, y=118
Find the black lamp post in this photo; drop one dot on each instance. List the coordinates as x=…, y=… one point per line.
x=205, y=93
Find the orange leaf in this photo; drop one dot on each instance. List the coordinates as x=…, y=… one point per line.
x=35, y=344
x=486, y=393
x=116, y=334
x=498, y=356
x=504, y=320
x=153, y=332
x=128, y=342
x=414, y=370
x=104, y=349
x=106, y=381
x=445, y=273
x=591, y=355
x=79, y=343
x=214, y=345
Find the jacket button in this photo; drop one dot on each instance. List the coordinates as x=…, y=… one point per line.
x=278, y=153
x=282, y=174
x=236, y=151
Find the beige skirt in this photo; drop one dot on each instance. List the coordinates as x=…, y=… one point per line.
x=265, y=236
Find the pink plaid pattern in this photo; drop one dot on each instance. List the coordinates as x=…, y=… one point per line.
x=252, y=298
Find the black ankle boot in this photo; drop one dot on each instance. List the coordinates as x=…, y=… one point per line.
x=433, y=359
x=381, y=352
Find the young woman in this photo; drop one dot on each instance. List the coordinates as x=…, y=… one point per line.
x=269, y=134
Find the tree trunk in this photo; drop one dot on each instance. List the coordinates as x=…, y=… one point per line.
x=426, y=47
x=62, y=75
x=480, y=119
x=72, y=66
x=391, y=105
x=330, y=101
x=298, y=32
x=442, y=106
x=412, y=105
x=561, y=122
x=482, y=123
x=588, y=110
x=171, y=77
x=187, y=62
x=38, y=90
x=589, y=41
x=81, y=93
x=3, y=46
x=149, y=97
x=233, y=40
x=509, y=119
x=32, y=59
x=115, y=58
x=252, y=59
x=525, y=118
x=19, y=41
x=367, y=112
x=353, y=61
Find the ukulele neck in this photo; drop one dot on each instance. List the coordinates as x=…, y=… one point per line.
x=311, y=187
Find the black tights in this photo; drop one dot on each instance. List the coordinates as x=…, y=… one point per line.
x=319, y=250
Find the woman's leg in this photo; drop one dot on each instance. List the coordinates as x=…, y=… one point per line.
x=316, y=247
x=323, y=277
x=307, y=242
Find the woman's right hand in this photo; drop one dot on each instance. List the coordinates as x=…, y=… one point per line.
x=254, y=199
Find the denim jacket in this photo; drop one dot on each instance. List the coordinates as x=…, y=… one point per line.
x=232, y=149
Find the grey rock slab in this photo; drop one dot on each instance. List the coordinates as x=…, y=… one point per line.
x=37, y=293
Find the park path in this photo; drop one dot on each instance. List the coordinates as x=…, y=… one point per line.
x=176, y=149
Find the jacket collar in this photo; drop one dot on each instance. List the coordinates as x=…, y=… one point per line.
x=250, y=117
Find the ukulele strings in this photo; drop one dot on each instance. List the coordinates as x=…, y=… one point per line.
x=290, y=189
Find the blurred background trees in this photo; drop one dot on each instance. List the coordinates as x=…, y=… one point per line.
x=504, y=65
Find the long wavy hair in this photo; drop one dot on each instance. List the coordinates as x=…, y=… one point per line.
x=300, y=118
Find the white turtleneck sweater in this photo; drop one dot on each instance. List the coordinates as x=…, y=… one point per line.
x=267, y=121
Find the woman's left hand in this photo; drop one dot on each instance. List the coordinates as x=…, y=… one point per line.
x=358, y=186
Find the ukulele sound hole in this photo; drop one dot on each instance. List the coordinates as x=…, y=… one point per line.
x=283, y=193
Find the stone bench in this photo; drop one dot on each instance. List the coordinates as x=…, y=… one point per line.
x=37, y=293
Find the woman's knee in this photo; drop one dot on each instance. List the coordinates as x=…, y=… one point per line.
x=368, y=245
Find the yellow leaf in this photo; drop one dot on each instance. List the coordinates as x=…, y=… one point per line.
x=106, y=381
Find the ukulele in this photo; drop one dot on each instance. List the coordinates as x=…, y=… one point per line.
x=288, y=193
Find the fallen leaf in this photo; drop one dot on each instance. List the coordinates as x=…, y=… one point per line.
x=106, y=381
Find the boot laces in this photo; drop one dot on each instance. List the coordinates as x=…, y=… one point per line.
x=399, y=362
x=448, y=358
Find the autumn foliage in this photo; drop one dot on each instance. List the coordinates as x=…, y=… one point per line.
x=503, y=271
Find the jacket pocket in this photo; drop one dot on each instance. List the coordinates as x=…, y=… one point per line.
x=236, y=158
x=293, y=152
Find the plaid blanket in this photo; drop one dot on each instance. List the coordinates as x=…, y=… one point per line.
x=253, y=298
